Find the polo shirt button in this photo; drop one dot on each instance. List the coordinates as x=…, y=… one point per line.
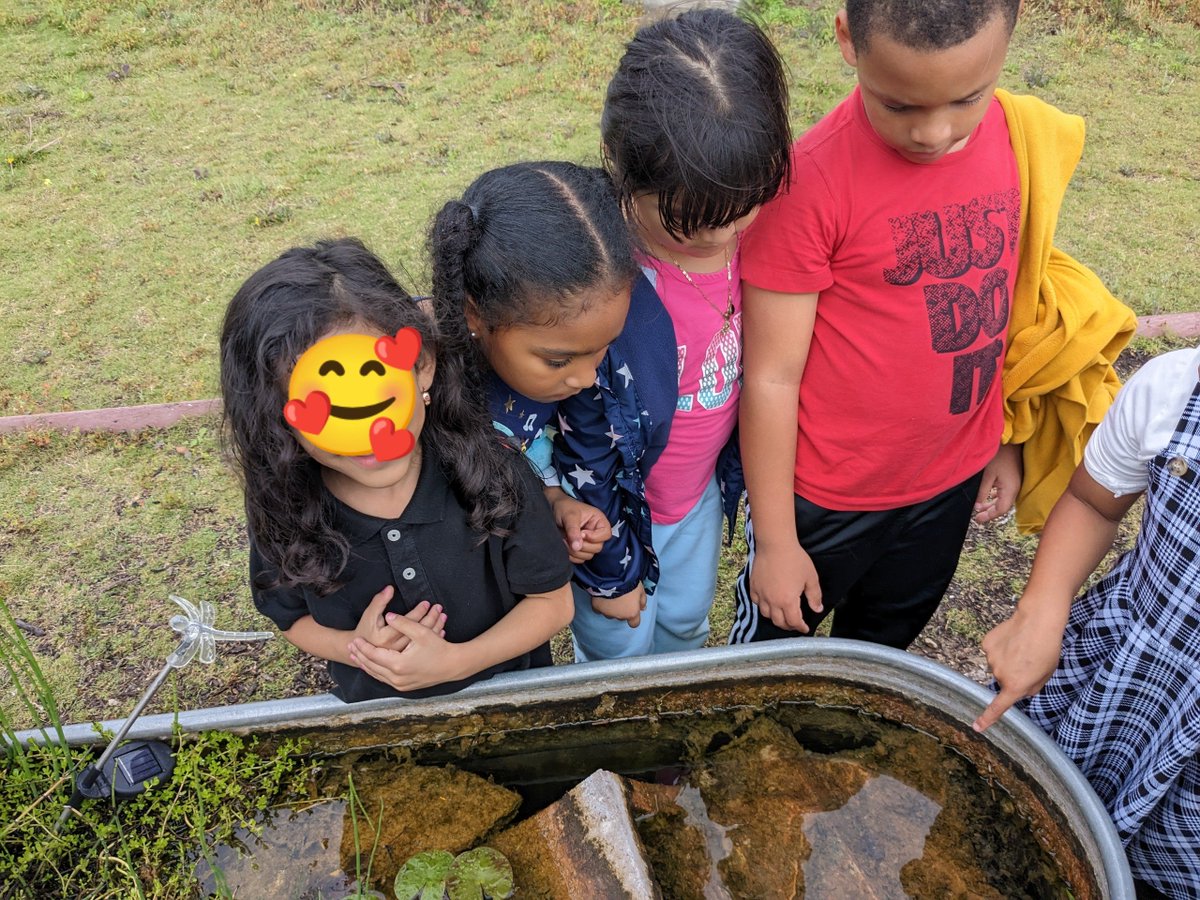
x=1178, y=466
x=393, y=534
x=409, y=574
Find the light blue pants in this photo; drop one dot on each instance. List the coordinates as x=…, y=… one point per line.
x=676, y=614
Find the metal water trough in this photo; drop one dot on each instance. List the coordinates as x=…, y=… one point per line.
x=560, y=710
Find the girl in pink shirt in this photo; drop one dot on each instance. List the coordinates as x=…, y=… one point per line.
x=696, y=136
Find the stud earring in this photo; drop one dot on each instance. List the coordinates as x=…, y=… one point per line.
x=425, y=397
x=473, y=335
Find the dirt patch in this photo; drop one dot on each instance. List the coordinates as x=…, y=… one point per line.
x=312, y=677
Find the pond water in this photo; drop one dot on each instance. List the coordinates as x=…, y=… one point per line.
x=797, y=801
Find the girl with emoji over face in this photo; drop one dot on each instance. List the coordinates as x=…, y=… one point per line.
x=390, y=532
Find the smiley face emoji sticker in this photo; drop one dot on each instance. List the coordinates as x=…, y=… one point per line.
x=353, y=394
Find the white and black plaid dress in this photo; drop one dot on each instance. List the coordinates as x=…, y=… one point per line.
x=1124, y=703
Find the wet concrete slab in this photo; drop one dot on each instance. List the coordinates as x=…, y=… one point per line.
x=584, y=845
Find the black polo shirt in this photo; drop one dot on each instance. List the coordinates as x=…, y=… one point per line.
x=429, y=553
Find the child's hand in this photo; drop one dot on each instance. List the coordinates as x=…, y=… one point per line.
x=375, y=624
x=780, y=581
x=427, y=659
x=1022, y=653
x=428, y=615
x=371, y=623
x=626, y=608
x=1001, y=482
x=584, y=528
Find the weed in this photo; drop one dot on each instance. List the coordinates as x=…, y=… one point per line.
x=272, y=214
x=362, y=878
x=32, y=691
x=965, y=623
x=24, y=157
x=1035, y=75
x=782, y=14
x=147, y=845
x=142, y=848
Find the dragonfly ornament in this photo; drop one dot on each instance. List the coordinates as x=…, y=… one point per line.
x=199, y=635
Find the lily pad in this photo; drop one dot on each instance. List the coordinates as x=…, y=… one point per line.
x=480, y=873
x=424, y=876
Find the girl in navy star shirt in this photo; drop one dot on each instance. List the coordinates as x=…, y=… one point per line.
x=532, y=276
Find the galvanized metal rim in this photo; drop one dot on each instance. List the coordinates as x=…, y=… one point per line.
x=914, y=677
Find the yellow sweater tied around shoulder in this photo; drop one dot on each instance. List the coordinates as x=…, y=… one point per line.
x=1065, y=328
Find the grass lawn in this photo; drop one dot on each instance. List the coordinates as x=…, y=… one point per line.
x=152, y=154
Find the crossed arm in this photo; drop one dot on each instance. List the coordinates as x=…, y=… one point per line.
x=410, y=652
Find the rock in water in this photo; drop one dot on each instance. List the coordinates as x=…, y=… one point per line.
x=584, y=845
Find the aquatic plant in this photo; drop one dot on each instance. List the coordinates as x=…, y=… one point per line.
x=472, y=875
x=362, y=880
x=424, y=876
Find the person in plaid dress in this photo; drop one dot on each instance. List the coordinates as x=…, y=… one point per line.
x=1114, y=678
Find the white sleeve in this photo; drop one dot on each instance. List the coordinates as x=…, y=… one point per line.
x=1141, y=421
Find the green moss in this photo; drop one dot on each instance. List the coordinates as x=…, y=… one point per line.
x=143, y=848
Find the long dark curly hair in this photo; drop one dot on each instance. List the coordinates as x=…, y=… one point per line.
x=281, y=311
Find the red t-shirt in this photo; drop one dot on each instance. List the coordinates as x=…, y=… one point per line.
x=915, y=266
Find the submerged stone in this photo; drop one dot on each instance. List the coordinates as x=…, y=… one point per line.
x=327, y=847
x=763, y=817
x=683, y=846
x=762, y=808
x=584, y=845
x=860, y=849
x=760, y=788
x=292, y=857
x=420, y=808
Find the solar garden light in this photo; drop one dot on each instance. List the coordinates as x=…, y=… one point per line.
x=124, y=773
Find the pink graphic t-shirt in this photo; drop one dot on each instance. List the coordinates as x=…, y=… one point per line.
x=709, y=364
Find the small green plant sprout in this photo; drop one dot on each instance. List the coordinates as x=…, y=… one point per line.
x=479, y=874
x=362, y=889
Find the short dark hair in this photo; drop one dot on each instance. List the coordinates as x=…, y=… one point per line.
x=278, y=313
x=697, y=113
x=925, y=24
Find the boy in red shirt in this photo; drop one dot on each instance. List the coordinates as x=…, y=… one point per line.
x=877, y=291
